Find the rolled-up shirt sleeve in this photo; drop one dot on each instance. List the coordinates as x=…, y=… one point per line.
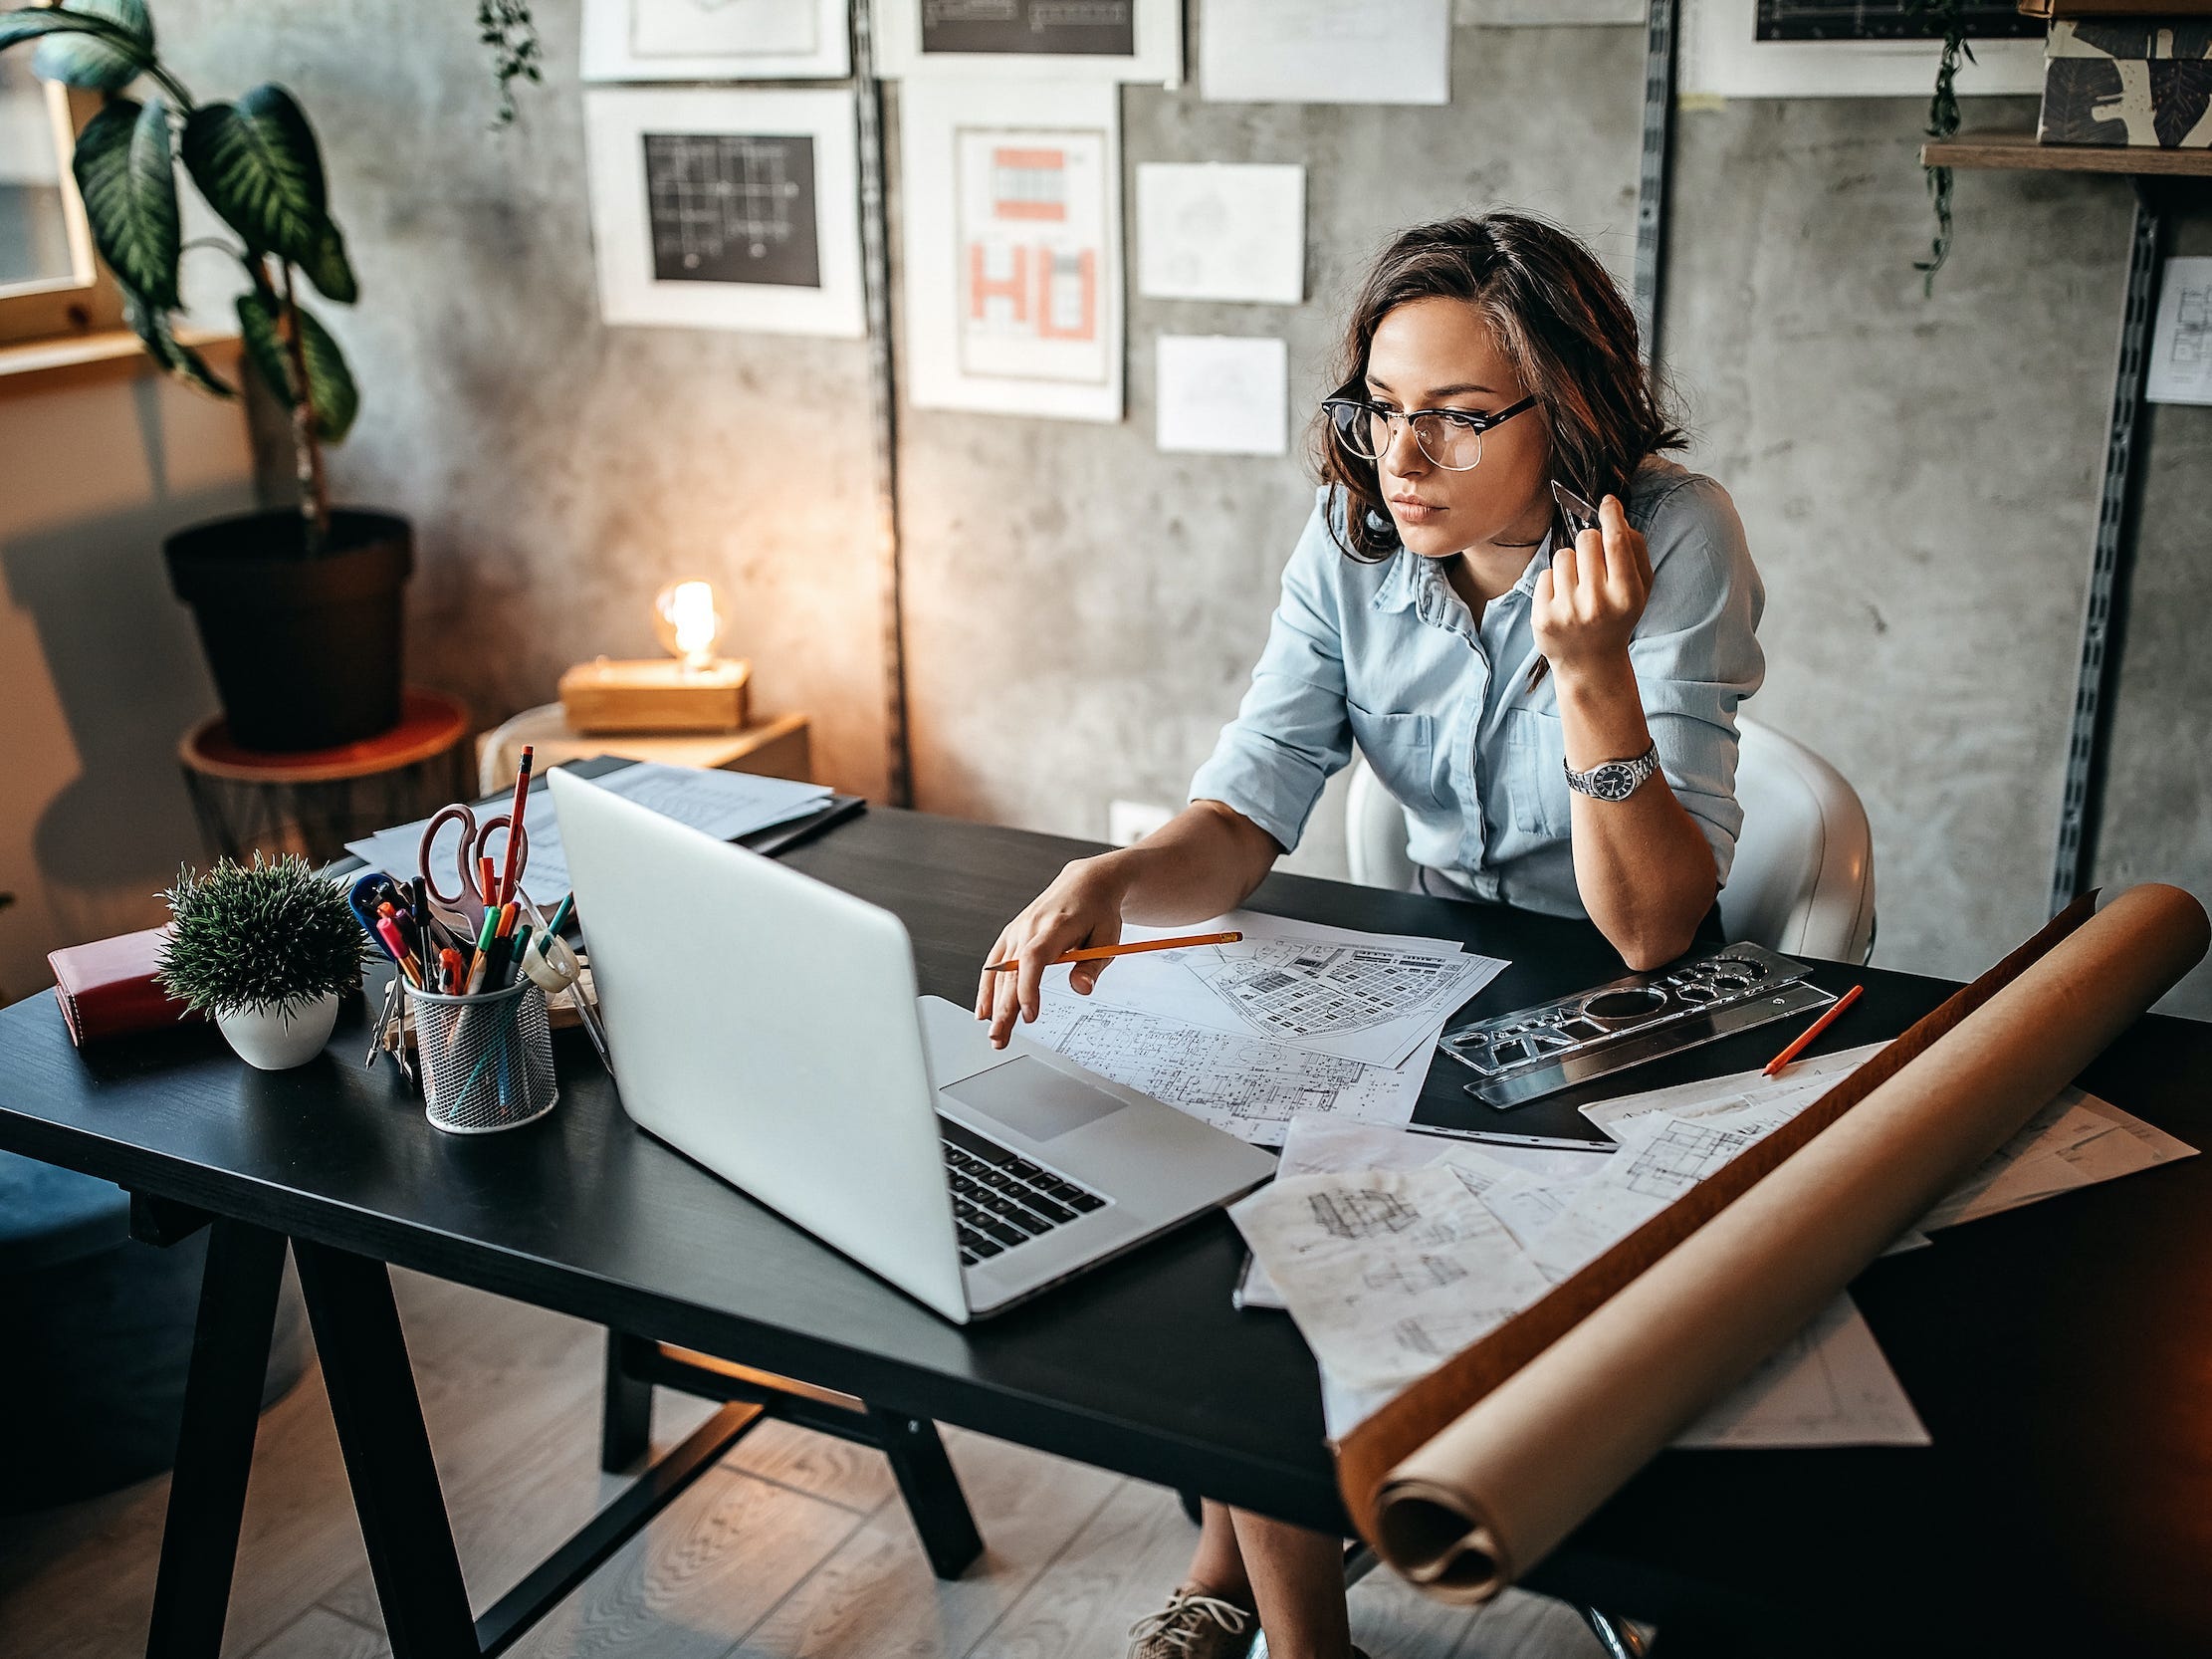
x=1291, y=732
x=1696, y=653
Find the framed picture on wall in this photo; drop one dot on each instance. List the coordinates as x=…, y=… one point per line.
x=726, y=209
x=1846, y=49
x=717, y=40
x=1013, y=247
x=1032, y=40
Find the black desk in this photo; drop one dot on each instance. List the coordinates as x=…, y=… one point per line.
x=2061, y=1355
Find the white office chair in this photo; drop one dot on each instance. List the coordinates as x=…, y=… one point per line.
x=1802, y=882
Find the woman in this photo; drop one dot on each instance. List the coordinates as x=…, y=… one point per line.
x=1556, y=715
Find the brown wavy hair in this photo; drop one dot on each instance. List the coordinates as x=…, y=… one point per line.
x=1561, y=322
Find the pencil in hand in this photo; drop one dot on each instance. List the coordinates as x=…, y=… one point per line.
x=1101, y=953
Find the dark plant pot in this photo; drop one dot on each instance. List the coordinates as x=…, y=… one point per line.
x=306, y=652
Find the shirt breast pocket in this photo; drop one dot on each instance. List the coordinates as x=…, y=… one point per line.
x=1402, y=749
x=1536, y=773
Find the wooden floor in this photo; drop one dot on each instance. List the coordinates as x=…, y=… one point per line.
x=795, y=1547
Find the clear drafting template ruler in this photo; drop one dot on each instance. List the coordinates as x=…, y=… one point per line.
x=1518, y=1058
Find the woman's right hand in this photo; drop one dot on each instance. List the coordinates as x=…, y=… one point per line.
x=1081, y=908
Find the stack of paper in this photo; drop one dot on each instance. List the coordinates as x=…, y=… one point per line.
x=1387, y=1271
x=1296, y=1017
x=724, y=804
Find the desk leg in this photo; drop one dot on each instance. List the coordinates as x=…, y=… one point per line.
x=215, y=1440
x=388, y=1454
x=625, y=1406
x=932, y=1492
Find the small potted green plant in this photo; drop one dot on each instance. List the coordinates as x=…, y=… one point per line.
x=299, y=610
x=265, y=949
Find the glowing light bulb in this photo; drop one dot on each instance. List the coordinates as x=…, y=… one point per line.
x=689, y=619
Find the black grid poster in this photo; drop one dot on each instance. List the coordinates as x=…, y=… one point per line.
x=1806, y=20
x=732, y=207
x=1087, y=28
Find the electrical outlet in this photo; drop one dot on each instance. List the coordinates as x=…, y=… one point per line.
x=1129, y=821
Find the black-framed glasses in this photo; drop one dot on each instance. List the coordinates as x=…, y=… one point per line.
x=1450, y=438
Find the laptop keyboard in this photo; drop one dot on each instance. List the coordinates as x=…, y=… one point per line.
x=1001, y=1199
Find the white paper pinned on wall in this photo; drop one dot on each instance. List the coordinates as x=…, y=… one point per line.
x=1221, y=231
x=1326, y=51
x=1014, y=298
x=1219, y=395
x=2181, y=344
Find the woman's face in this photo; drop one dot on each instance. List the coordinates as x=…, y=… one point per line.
x=1441, y=353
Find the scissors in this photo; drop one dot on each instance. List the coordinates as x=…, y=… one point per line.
x=470, y=901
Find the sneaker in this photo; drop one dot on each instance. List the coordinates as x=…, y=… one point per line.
x=1191, y=1626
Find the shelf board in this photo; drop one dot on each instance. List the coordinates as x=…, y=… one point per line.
x=2019, y=151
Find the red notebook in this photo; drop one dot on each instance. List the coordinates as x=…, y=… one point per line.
x=107, y=988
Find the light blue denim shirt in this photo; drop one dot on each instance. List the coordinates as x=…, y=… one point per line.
x=1385, y=656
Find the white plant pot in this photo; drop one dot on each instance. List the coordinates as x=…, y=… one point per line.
x=281, y=1036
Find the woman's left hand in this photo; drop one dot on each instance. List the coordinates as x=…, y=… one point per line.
x=1587, y=605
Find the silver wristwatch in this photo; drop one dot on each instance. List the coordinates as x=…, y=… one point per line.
x=1614, y=780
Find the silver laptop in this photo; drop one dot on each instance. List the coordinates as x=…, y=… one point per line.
x=768, y=1026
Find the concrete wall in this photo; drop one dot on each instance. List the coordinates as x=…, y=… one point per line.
x=1917, y=476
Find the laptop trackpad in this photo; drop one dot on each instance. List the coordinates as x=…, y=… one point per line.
x=1032, y=1098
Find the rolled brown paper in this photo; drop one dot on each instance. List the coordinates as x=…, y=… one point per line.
x=1486, y=1499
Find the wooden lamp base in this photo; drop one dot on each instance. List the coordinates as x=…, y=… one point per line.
x=655, y=695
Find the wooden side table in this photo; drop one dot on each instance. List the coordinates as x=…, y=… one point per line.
x=314, y=801
x=775, y=746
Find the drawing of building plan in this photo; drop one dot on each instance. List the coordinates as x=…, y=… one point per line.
x=1250, y=1087
x=1367, y=997
x=1392, y=1271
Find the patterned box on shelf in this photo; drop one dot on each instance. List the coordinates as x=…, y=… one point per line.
x=2128, y=82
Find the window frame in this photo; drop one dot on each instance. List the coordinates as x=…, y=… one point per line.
x=49, y=312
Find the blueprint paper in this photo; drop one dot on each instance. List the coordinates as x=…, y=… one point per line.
x=1369, y=996
x=1317, y=1144
x=2075, y=1141
x=1326, y=51
x=1211, y=230
x=1829, y=1385
x=1251, y=1086
x=1221, y=395
x=1388, y=1272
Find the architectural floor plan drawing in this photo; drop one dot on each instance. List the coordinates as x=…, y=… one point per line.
x=1248, y=1085
x=1372, y=998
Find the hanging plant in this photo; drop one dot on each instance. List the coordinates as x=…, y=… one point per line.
x=507, y=28
x=1943, y=117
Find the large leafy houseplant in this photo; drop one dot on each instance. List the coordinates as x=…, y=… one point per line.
x=256, y=164
x=300, y=613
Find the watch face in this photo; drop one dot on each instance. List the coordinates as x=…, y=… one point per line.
x=1614, y=781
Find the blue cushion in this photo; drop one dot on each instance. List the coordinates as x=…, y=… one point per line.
x=49, y=1215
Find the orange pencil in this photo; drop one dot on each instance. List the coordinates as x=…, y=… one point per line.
x=485, y=883
x=1812, y=1030
x=1097, y=953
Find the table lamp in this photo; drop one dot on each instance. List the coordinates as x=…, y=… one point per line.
x=692, y=690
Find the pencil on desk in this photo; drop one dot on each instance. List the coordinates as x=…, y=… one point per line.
x=1099, y=953
x=1812, y=1030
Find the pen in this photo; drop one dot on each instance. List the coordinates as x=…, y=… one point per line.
x=449, y=967
x=560, y=915
x=520, y=943
x=808, y=828
x=1812, y=1030
x=388, y=931
x=1099, y=953
x=482, y=960
x=509, y=871
x=485, y=881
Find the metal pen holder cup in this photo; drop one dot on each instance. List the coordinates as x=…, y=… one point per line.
x=487, y=1060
